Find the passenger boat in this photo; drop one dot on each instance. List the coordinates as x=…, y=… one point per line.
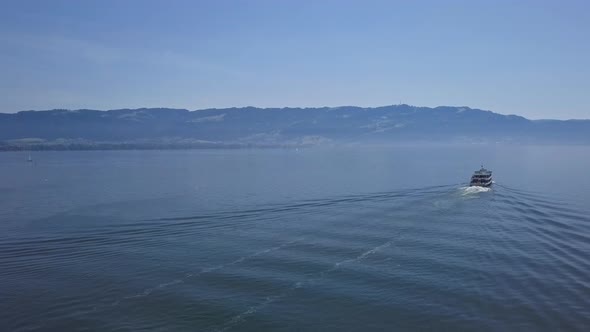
x=481, y=178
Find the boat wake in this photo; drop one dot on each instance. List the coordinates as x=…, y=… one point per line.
x=474, y=190
x=190, y=275
x=241, y=317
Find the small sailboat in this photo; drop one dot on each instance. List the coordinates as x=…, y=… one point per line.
x=481, y=178
x=30, y=159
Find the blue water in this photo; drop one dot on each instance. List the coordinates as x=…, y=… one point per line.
x=315, y=239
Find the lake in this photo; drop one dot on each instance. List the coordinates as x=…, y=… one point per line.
x=322, y=239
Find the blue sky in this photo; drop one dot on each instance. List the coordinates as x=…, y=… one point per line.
x=514, y=57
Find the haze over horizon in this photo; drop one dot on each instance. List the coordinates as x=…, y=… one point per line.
x=530, y=59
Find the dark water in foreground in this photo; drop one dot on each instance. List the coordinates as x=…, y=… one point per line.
x=324, y=240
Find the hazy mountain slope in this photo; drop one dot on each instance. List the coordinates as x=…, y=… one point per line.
x=295, y=126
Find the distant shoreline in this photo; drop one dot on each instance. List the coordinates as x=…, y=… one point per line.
x=242, y=146
x=233, y=128
x=139, y=146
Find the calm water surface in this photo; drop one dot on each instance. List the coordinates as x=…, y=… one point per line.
x=316, y=239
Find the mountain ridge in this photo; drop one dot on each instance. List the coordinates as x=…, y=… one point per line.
x=288, y=126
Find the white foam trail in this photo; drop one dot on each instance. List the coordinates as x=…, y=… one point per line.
x=300, y=284
x=148, y=291
x=474, y=190
x=361, y=256
x=151, y=290
x=252, y=310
